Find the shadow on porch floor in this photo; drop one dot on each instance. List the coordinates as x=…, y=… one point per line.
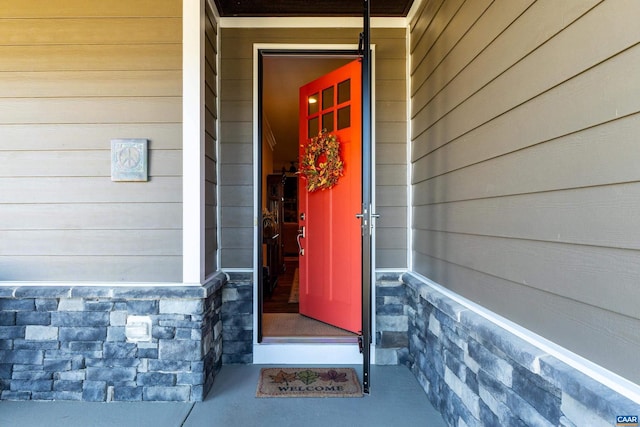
x=396, y=398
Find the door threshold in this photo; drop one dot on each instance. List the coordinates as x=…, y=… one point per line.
x=290, y=353
x=310, y=340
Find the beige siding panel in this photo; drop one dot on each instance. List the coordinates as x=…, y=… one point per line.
x=539, y=23
x=391, y=238
x=423, y=20
x=464, y=19
x=90, y=31
x=210, y=193
x=210, y=171
x=89, y=190
x=236, y=90
x=391, y=133
x=241, y=111
x=84, y=8
x=496, y=18
x=456, y=155
x=210, y=98
x=391, y=90
x=391, y=195
x=387, y=38
x=237, y=238
x=211, y=141
x=236, y=132
x=236, y=217
x=90, y=242
x=395, y=175
x=602, y=92
x=607, y=216
x=237, y=195
x=85, y=216
x=584, y=329
x=81, y=163
x=525, y=79
x=90, y=110
x=210, y=147
x=391, y=258
x=392, y=47
x=391, y=154
x=65, y=84
x=580, y=276
x=237, y=69
x=210, y=59
x=238, y=174
x=210, y=220
x=436, y=28
x=392, y=111
x=236, y=258
x=592, y=145
x=162, y=136
x=389, y=69
x=525, y=191
x=73, y=77
x=210, y=122
x=210, y=78
x=543, y=167
x=391, y=216
x=211, y=248
x=237, y=153
x=91, y=57
x=152, y=269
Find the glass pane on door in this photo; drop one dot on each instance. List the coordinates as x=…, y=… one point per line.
x=327, y=121
x=344, y=91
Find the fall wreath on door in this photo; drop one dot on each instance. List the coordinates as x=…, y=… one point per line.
x=321, y=163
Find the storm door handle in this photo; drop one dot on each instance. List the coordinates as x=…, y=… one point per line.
x=301, y=234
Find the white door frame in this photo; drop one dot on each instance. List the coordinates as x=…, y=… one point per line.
x=292, y=353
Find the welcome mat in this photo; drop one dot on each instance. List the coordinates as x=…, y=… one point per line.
x=308, y=382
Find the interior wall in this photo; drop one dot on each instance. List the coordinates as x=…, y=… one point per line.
x=72, y=77
x=236, y=161
x=525, y=180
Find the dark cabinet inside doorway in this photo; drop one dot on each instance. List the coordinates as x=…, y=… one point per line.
x=279, y=226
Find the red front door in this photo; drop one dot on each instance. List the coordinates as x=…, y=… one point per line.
x=330, y=262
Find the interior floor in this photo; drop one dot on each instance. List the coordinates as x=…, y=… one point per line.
x=281, y=318
x=278, y=300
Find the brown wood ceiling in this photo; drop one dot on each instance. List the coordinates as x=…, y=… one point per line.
x=263, y=8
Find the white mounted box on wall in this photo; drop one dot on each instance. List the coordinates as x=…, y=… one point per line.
x=129, y=160
x=138, y=328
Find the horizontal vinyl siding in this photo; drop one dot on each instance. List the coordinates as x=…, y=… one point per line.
x=525, y=180
x=73, y=77
x=211, y=141
x=236, y=159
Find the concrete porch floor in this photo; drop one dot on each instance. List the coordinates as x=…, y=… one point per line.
x=396, y=398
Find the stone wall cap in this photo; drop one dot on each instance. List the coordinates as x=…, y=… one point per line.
x=114, y=290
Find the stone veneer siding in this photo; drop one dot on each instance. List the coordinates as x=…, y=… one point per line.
x=477, y=373
x=392, y=325
x=69, y=343
x=237, y=319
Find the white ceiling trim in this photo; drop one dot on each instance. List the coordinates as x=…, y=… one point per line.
x=310, y=22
